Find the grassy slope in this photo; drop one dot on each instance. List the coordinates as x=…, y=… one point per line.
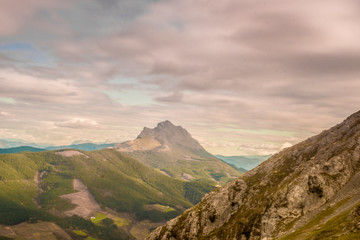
x=245, y=162
x=116, y=181
x=345, y=225
x=200, y=165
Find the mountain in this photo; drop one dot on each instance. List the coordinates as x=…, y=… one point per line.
x=165, y=137
x=21, y=149
x=103, y=194
x=173, y=151
x=83, y=146
x=308, y=191
x=11, y=143
x=244, y=162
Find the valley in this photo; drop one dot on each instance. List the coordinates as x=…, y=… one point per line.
x=179, y=120
x=105, y=194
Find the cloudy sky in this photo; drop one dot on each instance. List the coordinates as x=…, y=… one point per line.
x=244, y=77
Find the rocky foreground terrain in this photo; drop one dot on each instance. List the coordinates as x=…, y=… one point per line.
x=308, y=191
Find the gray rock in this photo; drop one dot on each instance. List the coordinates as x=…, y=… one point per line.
x=280, y=195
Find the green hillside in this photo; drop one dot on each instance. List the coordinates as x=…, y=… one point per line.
x=173, y=150
x=244, y=162
x=117, y=182
x=195, y=165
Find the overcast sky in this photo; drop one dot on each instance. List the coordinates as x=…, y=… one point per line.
x=244, y=77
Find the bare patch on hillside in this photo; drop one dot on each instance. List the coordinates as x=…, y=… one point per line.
x=86, y=203
x=163, y=172
x=186, y=177
x=36, y=231
x=138, y=144
x=70, y=153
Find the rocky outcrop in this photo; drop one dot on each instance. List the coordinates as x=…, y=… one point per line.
x=285, y=193
x=173, y=150
x=164, y=137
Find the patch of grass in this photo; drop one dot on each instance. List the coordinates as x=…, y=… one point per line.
x=80, y=232
x=5, y=238
x=120, y=222
x=339, y=226
x=161, y=208
x=91, y=238
x=56, y=184
x=218, y=176
x=299, y=232
x=98, y=218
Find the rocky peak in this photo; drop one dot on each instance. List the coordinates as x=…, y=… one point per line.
x=318, y=178
x=170, y=135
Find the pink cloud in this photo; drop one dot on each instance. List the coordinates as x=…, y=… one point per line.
x=14, y=15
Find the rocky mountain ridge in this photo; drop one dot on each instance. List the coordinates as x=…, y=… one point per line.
x=296, y=194
x=164, y=137
x=172, y=150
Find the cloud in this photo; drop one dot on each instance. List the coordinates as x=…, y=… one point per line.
x=262, y=148
x=22, y=85
x=4, y=114
x=78, y=123
x=15, y=16
x=275, y=65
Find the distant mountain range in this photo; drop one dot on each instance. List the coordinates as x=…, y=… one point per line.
x=83, y=146
x=21, y=149
x=12, y=143
x=31, y=148
x=244, y=162
x=120, y=191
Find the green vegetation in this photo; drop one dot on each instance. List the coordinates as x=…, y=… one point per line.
x=80, y=232
x=161, y=208
x=117, y=181
x=199, y=164
x=5, y=238
x=55, y=185
x=120, y=222
x=218, y=176
x=98, y=218
x=343, y=226
x=195, y=190
x=314, y=222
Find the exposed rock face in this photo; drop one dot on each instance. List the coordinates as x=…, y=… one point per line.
x=170, y=135
x=164, y=137
x=283, y=194
x=172, y=149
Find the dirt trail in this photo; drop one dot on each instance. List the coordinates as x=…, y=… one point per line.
x=86, y=203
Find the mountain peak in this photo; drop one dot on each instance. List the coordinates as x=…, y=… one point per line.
x=316, y=179
x=165, y=123
x=164, y=137
x=169, y=135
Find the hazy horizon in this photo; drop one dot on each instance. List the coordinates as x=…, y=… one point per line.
x=243, y=77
